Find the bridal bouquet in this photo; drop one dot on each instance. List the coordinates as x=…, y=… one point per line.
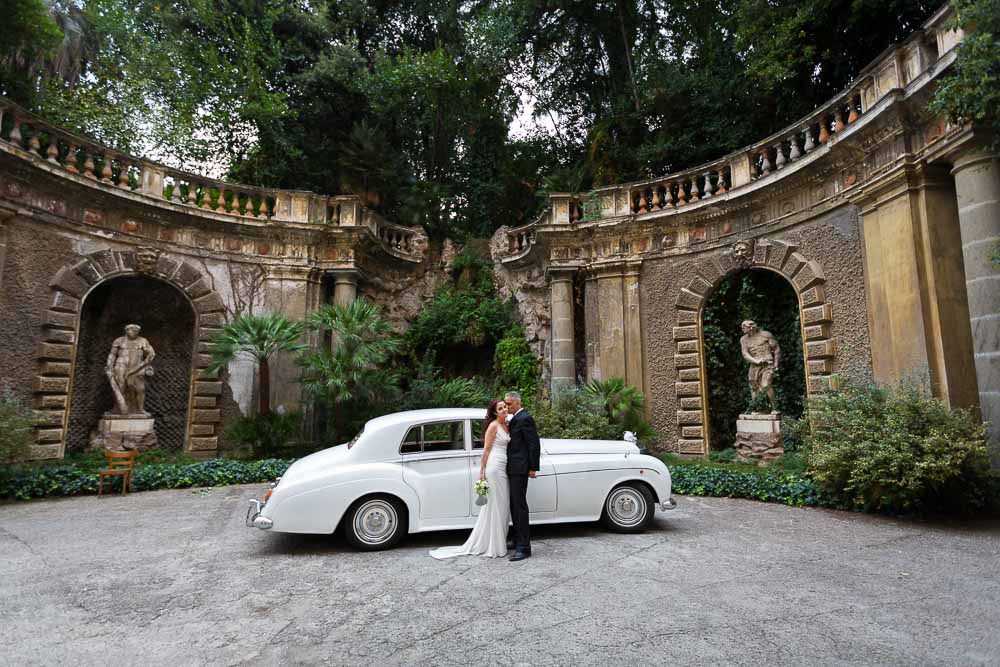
x=482, y=489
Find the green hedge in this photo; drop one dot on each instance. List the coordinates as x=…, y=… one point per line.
x=26, y=483
x=696, y=479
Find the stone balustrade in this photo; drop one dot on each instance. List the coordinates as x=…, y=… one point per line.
x=909, y=64
x=197, y=195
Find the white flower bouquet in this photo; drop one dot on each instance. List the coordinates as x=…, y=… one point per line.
x=482, y=490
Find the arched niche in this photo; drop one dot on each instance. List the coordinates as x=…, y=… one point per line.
x=815, y=316
x=71, y=287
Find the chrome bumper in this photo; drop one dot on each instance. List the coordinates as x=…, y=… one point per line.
x=668, y=504
x=254, y=519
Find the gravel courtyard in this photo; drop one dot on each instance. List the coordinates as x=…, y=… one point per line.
x=174, y=578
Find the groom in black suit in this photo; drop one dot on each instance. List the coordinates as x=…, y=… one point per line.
x=523, y=452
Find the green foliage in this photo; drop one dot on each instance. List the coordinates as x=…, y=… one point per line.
x=722, y=455
x=573, y=414
x=456, y=116
x=772, y=303
x=894, y=449
x=460, y=393
x=29, y=37
x=461, y=324
x=731, y=481
x=350, y=376
x=622, y=405
x=971, y=92
x=265, y=434
x=17, y=422
x=27, y=482
x=516, y=365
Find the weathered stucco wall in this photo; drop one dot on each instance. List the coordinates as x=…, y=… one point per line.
x=833, y=238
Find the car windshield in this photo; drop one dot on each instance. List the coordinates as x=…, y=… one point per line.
x=353, y=440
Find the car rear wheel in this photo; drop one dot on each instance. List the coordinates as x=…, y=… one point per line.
x=374, y=523
x=629, y=508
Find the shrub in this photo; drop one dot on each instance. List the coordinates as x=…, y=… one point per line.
x=516, y=364
x=429, y=390
x=621, y=403
x=727, y=481
x=894, y=449
x=25, y=483
x=16, y=422
x=572, y=414
x=727, y=455
x=265, y=434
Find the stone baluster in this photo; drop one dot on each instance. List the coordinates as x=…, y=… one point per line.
x=708, y=184
x=682, y=195
x=249, y=210
x=206, y=198
x=191, y=195
x=220, y=201
x=106, y=168
x=52, y=152
x=853, y=115
x=71, y=159
x=88, y=164
x=643, y=204
x=15, y=133
x=765, y=165
x=793, y=152
x=824, y=129
x=175, y=193
x=34, y=143
x=808, y=144
x=838, y=122
x=123, y=181
x=779, y=155
x=722, y=182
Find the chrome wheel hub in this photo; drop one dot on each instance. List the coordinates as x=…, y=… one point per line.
x=626, y=507
x=375, y=522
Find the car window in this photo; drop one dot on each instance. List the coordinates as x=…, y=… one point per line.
x=436, y=437
x=411, y=443
x=477, y=434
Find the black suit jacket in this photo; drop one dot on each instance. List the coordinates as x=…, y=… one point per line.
x=524, y=448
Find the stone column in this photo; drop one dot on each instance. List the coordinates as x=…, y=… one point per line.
x=977, y=188
x=563, y=346
x=345, y=287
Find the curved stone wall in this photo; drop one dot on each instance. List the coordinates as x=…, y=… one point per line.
x=854, y=204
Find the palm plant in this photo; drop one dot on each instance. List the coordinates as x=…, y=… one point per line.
x=259, y=336
x=351, y=369
x=623, y=404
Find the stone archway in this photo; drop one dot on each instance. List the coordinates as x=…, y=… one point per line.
x=815, y=315
x=70, y=286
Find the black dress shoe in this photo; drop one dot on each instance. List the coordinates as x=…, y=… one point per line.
x=519, y=555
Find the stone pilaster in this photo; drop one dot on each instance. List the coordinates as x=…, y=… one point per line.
x=914, y=285
x=563, y=346
x=977, y=186
x=611, y=321
x=289, y=291
x=634, y=363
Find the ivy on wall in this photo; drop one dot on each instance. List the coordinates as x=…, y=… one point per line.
x=771, y=302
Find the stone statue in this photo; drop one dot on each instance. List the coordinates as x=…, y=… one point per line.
x=760, y=349
x=127, y=367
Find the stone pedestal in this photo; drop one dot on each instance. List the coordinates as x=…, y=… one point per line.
x=758, y=438
x=122, y=432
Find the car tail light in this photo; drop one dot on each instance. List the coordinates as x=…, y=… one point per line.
x=267, y=495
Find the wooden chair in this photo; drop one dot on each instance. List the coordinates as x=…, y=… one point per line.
x=119, y=463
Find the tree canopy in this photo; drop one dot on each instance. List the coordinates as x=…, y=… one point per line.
x=458, y=116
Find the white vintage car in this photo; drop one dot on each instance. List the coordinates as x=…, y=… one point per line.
x=412, y=472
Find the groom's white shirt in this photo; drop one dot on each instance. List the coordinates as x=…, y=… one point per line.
x=509, y=417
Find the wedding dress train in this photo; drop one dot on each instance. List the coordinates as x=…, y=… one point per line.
x=489, y=537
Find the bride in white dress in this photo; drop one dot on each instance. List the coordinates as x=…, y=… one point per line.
x=489, y=537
